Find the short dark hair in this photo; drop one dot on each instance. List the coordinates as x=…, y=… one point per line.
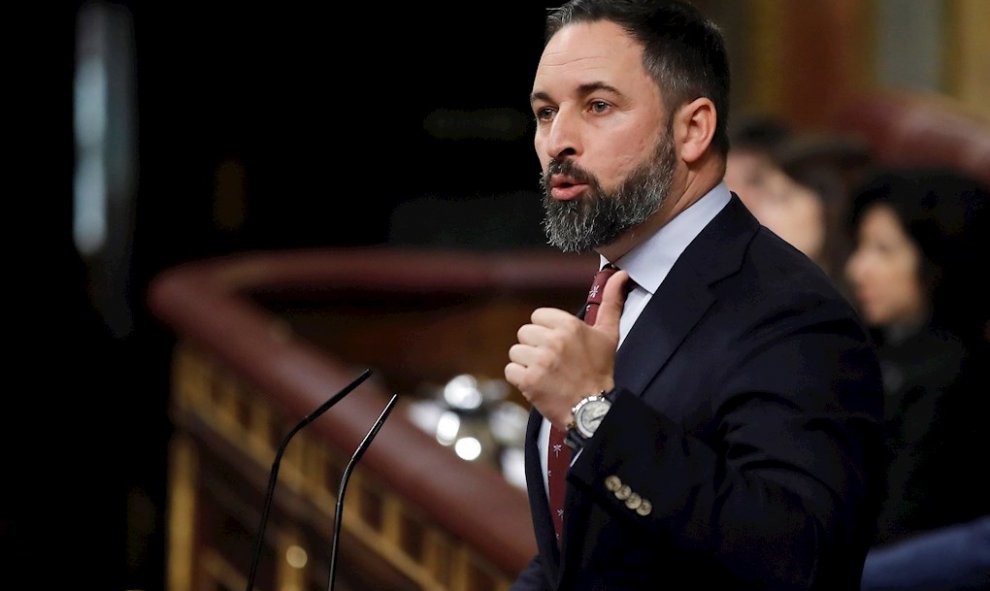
x=683, y=51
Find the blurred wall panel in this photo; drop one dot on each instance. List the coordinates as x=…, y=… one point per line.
x=804, y=59
x=968, y=67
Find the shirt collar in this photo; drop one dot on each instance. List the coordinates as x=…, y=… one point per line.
x=650, y=261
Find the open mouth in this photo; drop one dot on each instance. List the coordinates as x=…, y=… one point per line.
x=564, y=188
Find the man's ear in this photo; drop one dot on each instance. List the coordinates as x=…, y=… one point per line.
x=694, y=128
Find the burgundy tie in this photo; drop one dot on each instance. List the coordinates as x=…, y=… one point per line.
x=558, y=454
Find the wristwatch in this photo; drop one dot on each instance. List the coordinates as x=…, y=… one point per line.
x=585, y=418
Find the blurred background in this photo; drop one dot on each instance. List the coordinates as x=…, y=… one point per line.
x=159, y=134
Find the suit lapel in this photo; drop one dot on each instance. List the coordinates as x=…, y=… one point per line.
x=538, y=503
x=684, y=296
x=664, y=323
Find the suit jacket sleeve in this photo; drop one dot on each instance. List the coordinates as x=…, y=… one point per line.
x=774, y=484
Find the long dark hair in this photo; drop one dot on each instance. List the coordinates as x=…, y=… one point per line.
x=946, y=213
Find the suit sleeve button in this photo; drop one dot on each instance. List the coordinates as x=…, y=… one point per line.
x=623, y=492
x=645, y=508
x=634, y=501
x=612, y=483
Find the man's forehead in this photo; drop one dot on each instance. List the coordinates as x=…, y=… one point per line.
x=597, y=41
x=585, y=52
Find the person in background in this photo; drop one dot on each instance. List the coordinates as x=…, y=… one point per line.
x=917, y=274
x=716, y=418
x=796, y=184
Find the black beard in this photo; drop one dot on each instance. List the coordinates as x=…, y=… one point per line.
x=598, y=217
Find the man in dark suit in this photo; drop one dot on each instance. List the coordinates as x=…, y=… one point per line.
x=723, y=409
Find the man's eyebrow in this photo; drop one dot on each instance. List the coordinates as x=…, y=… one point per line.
x=586, y=89
x=539, y=96
x=583, y=90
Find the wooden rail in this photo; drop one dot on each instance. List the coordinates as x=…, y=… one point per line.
x=264, y=338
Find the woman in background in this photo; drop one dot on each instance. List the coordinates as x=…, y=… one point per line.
x=917, y=275
x=796, y=184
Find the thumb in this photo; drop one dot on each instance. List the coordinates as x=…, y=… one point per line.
x=613, y=299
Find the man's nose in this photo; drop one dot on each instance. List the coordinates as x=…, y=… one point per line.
x=564, y=138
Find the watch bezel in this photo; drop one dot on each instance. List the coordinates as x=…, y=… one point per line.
x=578, y=432
x=582, y=408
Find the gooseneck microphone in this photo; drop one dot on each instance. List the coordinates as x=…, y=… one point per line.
x=338, y=515
x=273, y=476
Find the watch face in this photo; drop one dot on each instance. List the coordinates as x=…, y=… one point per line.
x=590, y=415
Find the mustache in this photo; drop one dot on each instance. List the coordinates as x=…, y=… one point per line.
x=566, y=168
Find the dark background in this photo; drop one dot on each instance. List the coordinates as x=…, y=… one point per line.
x=353, y=126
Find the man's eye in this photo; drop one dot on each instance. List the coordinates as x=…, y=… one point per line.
x=599, y=106
x=544, y=114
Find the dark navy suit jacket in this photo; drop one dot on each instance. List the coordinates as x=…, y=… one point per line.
x=743, y=448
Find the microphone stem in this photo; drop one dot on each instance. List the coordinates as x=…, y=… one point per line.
x=339, y=512
x=273, y=476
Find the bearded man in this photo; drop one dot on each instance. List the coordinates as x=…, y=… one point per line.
x=715, y=425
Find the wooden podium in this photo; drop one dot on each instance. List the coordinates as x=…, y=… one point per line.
x=265, y=338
